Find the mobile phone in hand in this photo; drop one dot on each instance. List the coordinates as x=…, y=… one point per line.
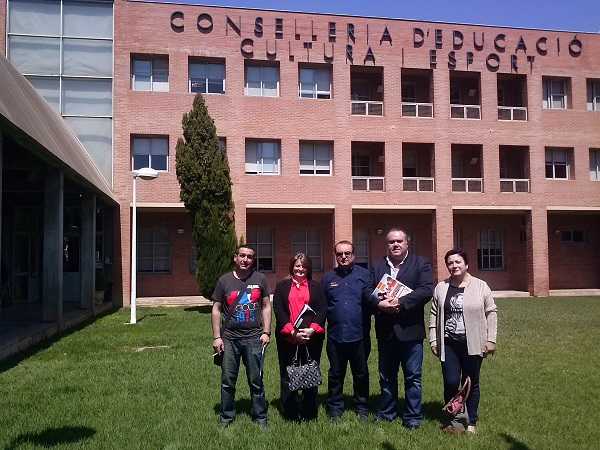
x=218, y=358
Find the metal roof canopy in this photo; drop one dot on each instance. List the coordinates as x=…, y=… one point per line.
x=26, y=116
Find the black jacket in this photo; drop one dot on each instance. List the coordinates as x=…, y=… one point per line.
x=408, y=324
x=281, y=307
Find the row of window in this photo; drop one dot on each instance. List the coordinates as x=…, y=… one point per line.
x=155, y=249
x=208, y=75
x=263, y=157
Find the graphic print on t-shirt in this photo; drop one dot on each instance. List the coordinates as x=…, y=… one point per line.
x=455, y=324
x=245, y=310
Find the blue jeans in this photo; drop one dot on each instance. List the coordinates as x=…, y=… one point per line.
x=392, y=355
x=457, y=366
x=249, y=350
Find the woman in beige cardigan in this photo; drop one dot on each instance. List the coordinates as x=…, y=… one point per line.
x=462, y=330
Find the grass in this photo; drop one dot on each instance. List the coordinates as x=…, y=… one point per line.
x=92, y=389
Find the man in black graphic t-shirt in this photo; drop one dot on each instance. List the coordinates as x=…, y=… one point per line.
x=241, y=297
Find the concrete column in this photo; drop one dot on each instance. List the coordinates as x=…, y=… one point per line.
x=88, y=251
x=52, y=273
x=240, y=220
x=1, y=194
x=538, y=274
x=443, y=239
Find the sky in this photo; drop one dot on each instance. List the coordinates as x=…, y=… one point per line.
x=570, y=15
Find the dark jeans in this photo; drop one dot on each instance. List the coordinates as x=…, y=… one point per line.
x=249, y=350
x=393, y=354
x=340, y=354
x=297, y=405
x=457, y=366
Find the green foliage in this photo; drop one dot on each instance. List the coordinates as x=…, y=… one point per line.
x=203, y=174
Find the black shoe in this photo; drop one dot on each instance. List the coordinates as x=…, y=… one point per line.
x=225, y=423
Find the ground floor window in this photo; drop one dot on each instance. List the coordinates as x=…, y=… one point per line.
x=361, y=247
x=572, y=236
x=154, y=250
x=490, y=253
x=309, y=243
x=261, y=240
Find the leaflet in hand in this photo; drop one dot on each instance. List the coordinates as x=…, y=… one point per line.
x=305, y=318
x=392, y=287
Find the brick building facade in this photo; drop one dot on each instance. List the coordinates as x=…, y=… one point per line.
x=338, y=127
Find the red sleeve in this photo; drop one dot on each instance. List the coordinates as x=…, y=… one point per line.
x=318, y=328
x=287, y=329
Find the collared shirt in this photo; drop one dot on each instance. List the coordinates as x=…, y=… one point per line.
x=393, y=269
x=347, y=291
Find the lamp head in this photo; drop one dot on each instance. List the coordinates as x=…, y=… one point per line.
x=145, y=173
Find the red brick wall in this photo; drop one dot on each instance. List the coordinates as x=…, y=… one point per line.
x=145, y=28
x=3, y=27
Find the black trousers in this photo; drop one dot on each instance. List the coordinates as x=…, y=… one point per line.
x=340, y=354
x=297, y=405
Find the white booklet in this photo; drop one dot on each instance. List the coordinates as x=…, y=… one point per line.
x=392, y=287
x=305, y=318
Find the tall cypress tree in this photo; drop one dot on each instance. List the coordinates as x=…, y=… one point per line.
x=203, y=174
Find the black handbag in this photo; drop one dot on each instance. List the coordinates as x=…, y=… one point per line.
x=303, y=376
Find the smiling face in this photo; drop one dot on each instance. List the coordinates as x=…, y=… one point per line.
x=344, y=255
x=244, y=259
x=299, y=270
x=456, y=266
x=396, y=245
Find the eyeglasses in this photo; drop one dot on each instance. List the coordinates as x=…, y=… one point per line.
x=340, y=254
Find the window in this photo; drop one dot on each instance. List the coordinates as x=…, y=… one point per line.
x=572, y=236
x=261, y=240
x=150, y=152
x=315, y=158
x=154, y=250
x=206, y=77
x=595, y=164
x=409, y=91
x=315, y=82
x=309, y=243
x=262, y=80
x=262, y=157
x=361, y=165
x=490, y=254
x=150, y=73
x=558, y=166
x=593, y=95
x=361, y=247
x=555, y=93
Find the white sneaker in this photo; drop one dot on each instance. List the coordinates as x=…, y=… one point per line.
x=472, y=429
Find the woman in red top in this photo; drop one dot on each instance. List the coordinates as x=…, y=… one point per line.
x=291, y=296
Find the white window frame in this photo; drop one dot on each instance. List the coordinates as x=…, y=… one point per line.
x=595, y=164
x=152, y=139
x=555, y=89
x=554, y=160
x=257, y=245
x=315, y=92
x=490, y=241
x=593, y=94
x=307, y=146
x=155, y=232
x=259, y=163
x=261, y=68
x=302, y=240
x=201, y=62
x=155, y=86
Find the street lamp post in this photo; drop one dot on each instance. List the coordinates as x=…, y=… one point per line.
x=145, y=173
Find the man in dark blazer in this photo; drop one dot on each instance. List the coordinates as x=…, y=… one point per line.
x=400, y=328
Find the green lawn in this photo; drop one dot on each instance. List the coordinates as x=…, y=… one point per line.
x=91, y=389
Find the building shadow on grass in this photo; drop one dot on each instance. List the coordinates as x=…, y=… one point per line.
x=203, y=309
x=515, y=444
x=52, y=437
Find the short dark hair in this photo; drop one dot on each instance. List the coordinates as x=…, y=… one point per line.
x=345, y=242
x=457, y=251
x=237, y=249
x=401, y=230
x=306, y=262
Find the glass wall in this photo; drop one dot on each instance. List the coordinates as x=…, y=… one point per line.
x=65, y=49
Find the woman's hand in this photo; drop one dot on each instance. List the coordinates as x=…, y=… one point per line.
x=434, y=350
x=300, y=337
x=490, y=348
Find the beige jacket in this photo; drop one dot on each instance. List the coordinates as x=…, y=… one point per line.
x=479, y=312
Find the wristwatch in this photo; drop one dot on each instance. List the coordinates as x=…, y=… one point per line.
x=268, y=333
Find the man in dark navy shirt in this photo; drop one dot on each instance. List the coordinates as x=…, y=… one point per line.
x=347, y=289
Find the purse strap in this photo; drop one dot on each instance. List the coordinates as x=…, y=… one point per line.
x=296, y=361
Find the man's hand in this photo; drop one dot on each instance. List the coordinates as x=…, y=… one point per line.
x=387, y=305
x=265, y=339
x=490, y=348
x=218, y=345
x=434, y=350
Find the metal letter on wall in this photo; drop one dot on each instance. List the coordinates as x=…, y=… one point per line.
x=236, y=27
x=386, y=36
x=478, y=45
x=177, y=24
x=513, y=63
x=575, y=47
x=492, y=62
x=350, y=32
x=349, y=55
x=452, y=60
x=258, y=27
x=457, y=40
x=418, y=37
x=370, y=56
x=247, y=48
x=202, y=26
x=271, y=54
x=469, y=59
x=521, y=45
x=326, y=57
x=500, y=42
x=542, y=46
